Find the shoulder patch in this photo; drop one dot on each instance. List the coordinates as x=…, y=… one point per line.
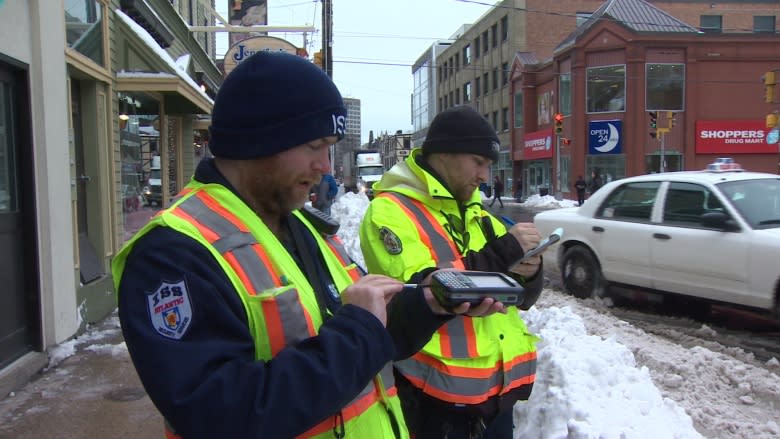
x=170, y=310
x=391, y=240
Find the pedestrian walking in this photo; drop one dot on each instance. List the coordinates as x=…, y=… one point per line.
x=427, y=213
x=580, y=187
x=243, y=314
x=595, y=181
x=325, y=193
x=498, y=191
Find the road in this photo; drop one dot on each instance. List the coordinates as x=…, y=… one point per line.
x=738, y=328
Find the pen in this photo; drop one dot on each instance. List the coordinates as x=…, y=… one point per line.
x=508, y=220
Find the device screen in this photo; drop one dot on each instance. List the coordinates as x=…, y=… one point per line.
x=488, y=281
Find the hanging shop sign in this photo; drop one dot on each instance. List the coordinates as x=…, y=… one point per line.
x=245, y=48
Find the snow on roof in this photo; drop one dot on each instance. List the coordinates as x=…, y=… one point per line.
x=165, y=56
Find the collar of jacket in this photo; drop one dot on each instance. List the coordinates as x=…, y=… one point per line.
x=414, y=181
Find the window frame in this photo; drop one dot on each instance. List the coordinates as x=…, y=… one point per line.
x=591, y=93
x=664, y=102
x=711, y=28
x=764, y=28
x=621, y=204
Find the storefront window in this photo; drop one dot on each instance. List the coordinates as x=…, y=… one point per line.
x=606, y=89
x=609, y=166
x=665, y=87
x=672, y=162
x=84, y=28
x=141, y=179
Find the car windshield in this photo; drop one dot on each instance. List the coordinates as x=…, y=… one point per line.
x=758, y=200
x=155, y=174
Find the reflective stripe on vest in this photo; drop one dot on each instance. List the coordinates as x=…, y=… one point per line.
x=434, y=236
x=361, y=403
x=338, y=249
x=457, y=338
x=287, y=321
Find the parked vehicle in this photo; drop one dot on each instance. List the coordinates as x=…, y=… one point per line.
x=712, y=235
x=361, y=169
x=153, y=189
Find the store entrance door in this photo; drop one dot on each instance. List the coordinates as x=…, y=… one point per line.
x=18, y=295
x=537, y=177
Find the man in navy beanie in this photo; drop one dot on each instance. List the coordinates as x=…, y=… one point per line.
x=243, y=314
x=427, y=213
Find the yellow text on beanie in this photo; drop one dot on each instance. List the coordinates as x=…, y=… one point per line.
x=272, y=102
x=462, y=129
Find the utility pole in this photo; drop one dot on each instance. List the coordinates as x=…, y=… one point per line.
x=327, y=36
x=662, y=132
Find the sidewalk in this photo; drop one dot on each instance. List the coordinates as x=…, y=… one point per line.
x=91, y=391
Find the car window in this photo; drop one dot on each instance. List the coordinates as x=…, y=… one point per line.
x=686, y=202
x=630, y=201
x=757, y=200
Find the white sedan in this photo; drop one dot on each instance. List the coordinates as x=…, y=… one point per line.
x=712, y=234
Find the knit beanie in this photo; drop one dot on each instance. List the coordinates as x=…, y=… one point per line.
x=462, y=129
x=271, y=102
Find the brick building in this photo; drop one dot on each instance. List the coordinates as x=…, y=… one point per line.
x=629, y=60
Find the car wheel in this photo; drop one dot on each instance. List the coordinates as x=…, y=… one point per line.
x=581, y=273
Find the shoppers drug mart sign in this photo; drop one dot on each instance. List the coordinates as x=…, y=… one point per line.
x=538, y=145
x=732, y=137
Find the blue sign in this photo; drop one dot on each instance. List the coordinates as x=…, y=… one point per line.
x=773, y=136
x=605, y=137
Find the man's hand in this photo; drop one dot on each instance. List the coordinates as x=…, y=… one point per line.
x=487, y=307
x=528, y=237
x=372, y=293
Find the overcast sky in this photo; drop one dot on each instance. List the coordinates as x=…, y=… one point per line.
x=374, y=47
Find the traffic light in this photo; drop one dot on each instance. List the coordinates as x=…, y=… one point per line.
x=772, y=120
x=566, y=141
x=558, y=123
x=672, y=121
x=653, y=119
x=769, y=86
x=318, y=59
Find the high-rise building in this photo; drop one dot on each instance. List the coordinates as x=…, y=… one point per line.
x=351, y=140
x=424, y=94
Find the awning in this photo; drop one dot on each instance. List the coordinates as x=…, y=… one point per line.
x=182, y=94
x=180, y=97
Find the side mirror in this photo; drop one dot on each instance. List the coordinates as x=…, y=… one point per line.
x=719, y=220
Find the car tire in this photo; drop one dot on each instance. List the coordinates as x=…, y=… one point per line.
x=581, y=273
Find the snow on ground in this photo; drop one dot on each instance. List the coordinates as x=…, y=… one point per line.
x=601, y=377
x=598, y=376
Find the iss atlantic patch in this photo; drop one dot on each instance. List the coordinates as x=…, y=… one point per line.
x=170, y=309
x=391, y=240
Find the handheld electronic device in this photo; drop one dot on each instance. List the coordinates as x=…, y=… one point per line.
x=554, y=237
x=320, y=220
x=451, y=288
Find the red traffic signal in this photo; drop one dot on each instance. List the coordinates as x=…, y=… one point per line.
x=558, y=123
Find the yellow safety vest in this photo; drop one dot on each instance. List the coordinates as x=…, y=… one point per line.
x=279, y=301
x=468, y=360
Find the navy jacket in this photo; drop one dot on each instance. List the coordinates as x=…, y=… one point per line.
x=207, y=384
